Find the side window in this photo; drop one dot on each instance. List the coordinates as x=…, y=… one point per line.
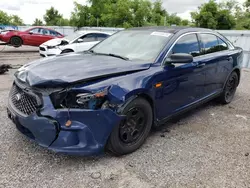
x=101, y=36
x=58, y=34
x=187, y=44
x=35, y=31
x=52, y=33
x=45, y=32
x=89, y=38
x=212, y=44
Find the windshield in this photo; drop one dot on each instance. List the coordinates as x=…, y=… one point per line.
x=73, y=36
x=134, y=44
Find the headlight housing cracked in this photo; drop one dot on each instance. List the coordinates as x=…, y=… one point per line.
x=78, y=99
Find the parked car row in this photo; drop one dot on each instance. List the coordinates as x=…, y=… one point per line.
x=51, y=42
x=77, y=42
x=109, y=97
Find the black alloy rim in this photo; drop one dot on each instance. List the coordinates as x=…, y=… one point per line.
x=16, y=41
x=133, y=127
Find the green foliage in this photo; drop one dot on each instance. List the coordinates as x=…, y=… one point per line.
x=229, y=14
x=122, y=13
x=215, y=16
x=37, y=22
x=52, y=17
x=4, y=18
x=10, y=19
x=16, y=20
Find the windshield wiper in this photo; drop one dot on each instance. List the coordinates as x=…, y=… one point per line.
x=119, y=56
x=110, y=54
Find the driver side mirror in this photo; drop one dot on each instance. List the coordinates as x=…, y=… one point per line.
x=30, y=32
x=179, y=58
x=80, y=40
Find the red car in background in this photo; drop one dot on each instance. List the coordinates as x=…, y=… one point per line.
x=32, y=37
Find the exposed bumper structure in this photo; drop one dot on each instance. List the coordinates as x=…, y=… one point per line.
x=45, y=52
x=87, y=134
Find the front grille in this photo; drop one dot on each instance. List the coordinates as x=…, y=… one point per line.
x=42, y=48
x=23, y=102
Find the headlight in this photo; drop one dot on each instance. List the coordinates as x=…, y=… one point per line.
x=75, y=99
x=51, y=47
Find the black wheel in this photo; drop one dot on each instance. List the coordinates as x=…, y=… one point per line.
x=229, y=89
x=133, y=131
x=16, y=42
x=66, y=51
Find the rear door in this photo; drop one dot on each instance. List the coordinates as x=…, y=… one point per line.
x=218, y=61
x=46, y=35
x=32, y=36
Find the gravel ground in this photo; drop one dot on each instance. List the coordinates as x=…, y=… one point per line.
x=208, y=147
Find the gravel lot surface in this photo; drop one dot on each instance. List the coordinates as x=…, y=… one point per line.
x=208, y=147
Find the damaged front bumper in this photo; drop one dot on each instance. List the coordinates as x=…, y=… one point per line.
x=87, y=135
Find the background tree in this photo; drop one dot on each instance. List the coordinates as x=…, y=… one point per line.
x=52, y=17
x=16, y=20
x=4, y=18
x=122, y=13
x=37, y=22
x=213, y=15
x=80, y=16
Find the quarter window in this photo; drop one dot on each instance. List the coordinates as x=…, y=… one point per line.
x=212, y=43
x=187, y=44
x=222, y=44
x=53, y=33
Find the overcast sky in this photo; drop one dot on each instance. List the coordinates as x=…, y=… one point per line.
x=28, y=10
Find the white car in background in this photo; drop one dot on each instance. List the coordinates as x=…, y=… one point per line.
x=77, y=42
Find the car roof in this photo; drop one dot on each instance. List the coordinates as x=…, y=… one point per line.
x=41, y=27
x=92, y=31
x=172, y=29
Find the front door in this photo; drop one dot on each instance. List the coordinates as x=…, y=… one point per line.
x=32, y=36
x=183, y=84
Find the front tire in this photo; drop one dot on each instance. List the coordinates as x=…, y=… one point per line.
x=133, y=131
x=16, y=42
x=229, y=89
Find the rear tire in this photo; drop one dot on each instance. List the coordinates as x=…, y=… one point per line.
x=16, y=42
x=66, y=51
x=229, y=89
x=130, y=134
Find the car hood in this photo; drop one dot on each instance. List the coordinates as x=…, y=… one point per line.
x=54, y=42
x=64, y=70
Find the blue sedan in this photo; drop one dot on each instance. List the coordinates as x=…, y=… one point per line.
x=109, y=98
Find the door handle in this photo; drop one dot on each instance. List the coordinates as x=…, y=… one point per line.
x=200, y=65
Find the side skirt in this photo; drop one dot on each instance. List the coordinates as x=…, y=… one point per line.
x=188, y=108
